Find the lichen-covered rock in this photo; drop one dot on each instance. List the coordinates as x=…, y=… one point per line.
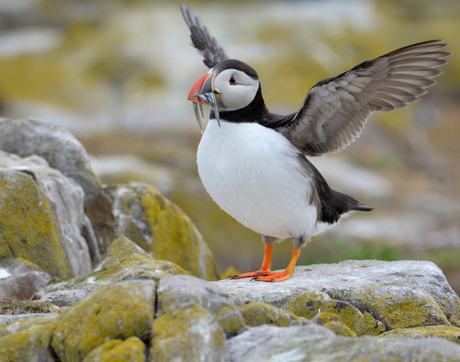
x=187, y=334
x=63, y=152
x=310, y=304
x=116, y=350
x=399, y=294
x=397, y=306
x=118, y=311
x=256, y=314
x=65, y=202
x=20, y=278
x=125, y=261
x=31, y=344
x=445, y=332
x=158, y=226
x=334, y=323
x=28, y=224
x=316, y=343
x=193, y=320
x=14, y=325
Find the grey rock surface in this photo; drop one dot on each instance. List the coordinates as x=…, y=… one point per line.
x=316, y=343
x=20, y=278
x=65, y=298
x=62, y=151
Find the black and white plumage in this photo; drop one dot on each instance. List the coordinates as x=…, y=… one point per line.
x=253, y=163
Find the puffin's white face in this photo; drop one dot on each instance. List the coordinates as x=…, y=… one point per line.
x=237, y=89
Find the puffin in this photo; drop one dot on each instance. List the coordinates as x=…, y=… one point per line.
x=255, y=164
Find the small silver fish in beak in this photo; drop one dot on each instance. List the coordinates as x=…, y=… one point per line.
x=202, y=93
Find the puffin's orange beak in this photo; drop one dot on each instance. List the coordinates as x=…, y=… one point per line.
x=202, y=86
x=203, y=92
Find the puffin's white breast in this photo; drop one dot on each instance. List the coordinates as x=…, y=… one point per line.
x=253, y=173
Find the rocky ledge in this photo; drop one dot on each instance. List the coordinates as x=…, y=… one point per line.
x=354, y=310
x=127, y=272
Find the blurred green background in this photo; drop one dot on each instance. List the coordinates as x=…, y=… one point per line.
x=117, y=75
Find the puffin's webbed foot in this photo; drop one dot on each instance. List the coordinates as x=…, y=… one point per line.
x=255, y=274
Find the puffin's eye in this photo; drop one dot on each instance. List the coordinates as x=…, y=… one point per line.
x=232, y=80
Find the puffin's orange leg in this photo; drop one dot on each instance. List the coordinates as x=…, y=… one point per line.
x=266, y=265
x=278, y=277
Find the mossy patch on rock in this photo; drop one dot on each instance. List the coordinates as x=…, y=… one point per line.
x=13, y=306
x=31, y=344
x=118, y=311
x=116, y=350
x=255, y=314
x=446, y=332
x=28, y=224
x=310, y=304
x=158, y=226
x=125, y=261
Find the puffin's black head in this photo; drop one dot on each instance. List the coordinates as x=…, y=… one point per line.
x=234, y=83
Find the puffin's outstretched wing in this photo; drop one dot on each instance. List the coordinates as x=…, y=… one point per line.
x=335, y=110
x=202, y=39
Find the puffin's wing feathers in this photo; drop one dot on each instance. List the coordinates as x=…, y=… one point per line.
x=335, y=110
x=202, y=39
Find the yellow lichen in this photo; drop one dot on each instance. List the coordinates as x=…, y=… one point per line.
x=334, y=323
x=309, y=305
x=116, y=350
x=255, y=314
x=446, y=332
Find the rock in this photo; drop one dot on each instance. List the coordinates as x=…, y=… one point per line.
x=192, y=320
x=310, y=304
x=13, y=325
x=25, y=183
x=257, y=314
x=64, y=298
x=159, y=227
x=117, y=311
x=445, y=332
x=334, y=323
x=29, y=225
x=316, y=343
x=31, y=344
x=124, y=261
x=20, y=278
x=399, y=294
x=116, y=350
x=62, y=151
x=266, y=342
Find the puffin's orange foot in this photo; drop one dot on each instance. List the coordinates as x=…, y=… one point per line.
x=255, y=274
x=273, y=277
